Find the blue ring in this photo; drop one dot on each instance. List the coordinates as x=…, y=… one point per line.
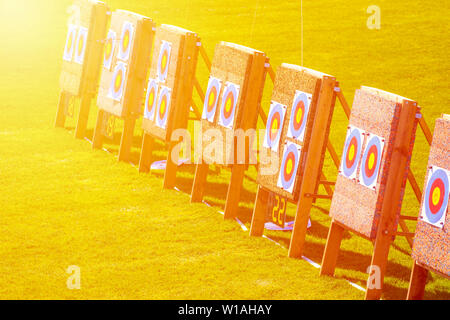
x=354, y=133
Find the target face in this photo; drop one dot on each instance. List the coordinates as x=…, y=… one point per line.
x=274, y=126
x=126, y=40
x=211, y=99
x=352, y=152
x=117, y=85
x=289, y=166
x=370, y=162
x=80, y=47
x=163, y=60
x=70, y=43
x=150, y=99
x=163, y=107
x=435, y=202
x=109, y=49
x=299, y=115
x=229, y=101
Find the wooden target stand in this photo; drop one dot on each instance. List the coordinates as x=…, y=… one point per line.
x=386, y=230
x=81, y=63
x=124, y=78
x=236, y=68
x=322, y=89
x=432, y=228
x=180, y=80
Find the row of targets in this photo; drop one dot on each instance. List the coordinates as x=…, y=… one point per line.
x=228, y=102
x=362, y=157
x=124, y=51
x=296, y=131
x=158, y=96
x=75, y=44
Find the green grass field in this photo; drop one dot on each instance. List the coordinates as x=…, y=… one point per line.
x=64, y=204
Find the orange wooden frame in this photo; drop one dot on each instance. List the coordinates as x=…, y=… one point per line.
x=186, y=80
x=83, y=85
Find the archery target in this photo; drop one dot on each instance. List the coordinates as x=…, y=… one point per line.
x=117, y=85
x=70, y=43
x=435, y=202
x=126, y=40
x=80, y=47
x=289, y=166
x=211, y=99
x=352, y=152
x=370, y=162
x=150, y=99
x=228, y=107
x=163, y=60
x=274, y=125
x=163, y=107
x=109, y=49
x=299, y=115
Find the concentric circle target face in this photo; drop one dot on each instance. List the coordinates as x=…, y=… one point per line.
x=80, y=47
x=274, y=126
x=126, y=41
x=70, y=43
x=163, y=107
x=109, y=49
x=435, y=202
x=352, y=152
x=228, y=106
x=289, y=166
x=117, y=85
x=150, y=99
x=299, y=115
x=211, y=99
x=370, y=162
x=163, y=60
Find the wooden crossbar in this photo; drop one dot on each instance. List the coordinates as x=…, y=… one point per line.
x=205, y=57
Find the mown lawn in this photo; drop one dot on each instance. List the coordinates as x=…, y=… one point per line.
x=64, y=204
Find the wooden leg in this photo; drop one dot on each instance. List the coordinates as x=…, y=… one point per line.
x=127, y=139
x=64, y=99
x=201, y=172
x=417, y=282
x=298, y=235
x=97, y=139
x=332, y=248
x=259, y=213
x=170, y=175
x=83, y=116
x=379, y=261
x=234, y=191
x=145, y=160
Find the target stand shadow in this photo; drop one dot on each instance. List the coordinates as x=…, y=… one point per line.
x=431, y=241
x=124, y=74
x=81, y=62
x=372, y=177
x=231, y=108
x=168, y=102
x=295, y=143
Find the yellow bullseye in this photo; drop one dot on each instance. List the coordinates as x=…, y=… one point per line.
x=80, y=45
x=118, y=81
x=163, y=62
x=126, y=40
x=298, y=116
x=212, y=98
x=228, y=105
x=69, y=45
x=108, y=49
x=151, y=97
x=436, y=196
x=274, y=128
x=351, y=152
x=371, y=161
x=289, y=166
x=162, y=110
